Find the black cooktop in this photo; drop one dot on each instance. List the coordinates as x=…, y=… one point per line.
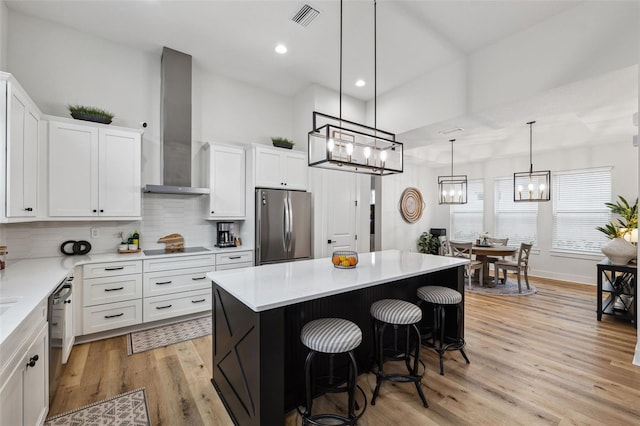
x=157, y=252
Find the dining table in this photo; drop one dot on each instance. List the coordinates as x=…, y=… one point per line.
x=485, y=252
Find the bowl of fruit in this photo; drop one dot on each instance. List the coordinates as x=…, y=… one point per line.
x=344, y=259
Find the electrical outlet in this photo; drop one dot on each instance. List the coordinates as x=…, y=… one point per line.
x=95, y=233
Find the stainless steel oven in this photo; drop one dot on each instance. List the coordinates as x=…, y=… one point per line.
x=59, y=314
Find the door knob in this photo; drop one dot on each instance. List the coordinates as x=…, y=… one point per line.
x=33, y=360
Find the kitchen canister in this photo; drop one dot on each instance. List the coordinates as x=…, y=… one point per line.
x=3, y=257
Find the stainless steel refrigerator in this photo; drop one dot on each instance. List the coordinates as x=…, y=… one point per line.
x=283, y=226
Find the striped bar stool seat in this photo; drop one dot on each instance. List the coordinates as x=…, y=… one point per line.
x=332, y=336
x=440, y=297
x=397, y=313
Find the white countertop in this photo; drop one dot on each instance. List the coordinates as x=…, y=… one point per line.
x=31, y=281
x=272, y=286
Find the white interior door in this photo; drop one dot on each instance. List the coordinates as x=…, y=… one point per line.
x=340, y=210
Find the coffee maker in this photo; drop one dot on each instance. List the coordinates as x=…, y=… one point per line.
x=225, y=235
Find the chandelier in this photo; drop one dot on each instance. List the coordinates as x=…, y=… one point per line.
x=452, y=188
x=339, y=144
x=532, y=185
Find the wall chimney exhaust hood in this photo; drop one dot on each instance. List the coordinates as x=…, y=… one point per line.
x=175, y=149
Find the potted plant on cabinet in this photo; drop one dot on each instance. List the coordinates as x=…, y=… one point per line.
x=622, y=233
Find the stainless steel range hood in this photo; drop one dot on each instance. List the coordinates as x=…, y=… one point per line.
x=175, y=150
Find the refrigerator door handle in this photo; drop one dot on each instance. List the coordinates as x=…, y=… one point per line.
x=290, y=239
x=287, y=225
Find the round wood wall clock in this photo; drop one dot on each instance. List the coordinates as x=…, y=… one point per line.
x=411, y=205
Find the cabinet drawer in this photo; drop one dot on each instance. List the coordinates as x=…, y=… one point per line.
x=235, y=257
x=167, y=282
x=179, y=262
x=110, y=316
x=111, y=269
x=98, y=291
x=173, y=305
x=224, y=267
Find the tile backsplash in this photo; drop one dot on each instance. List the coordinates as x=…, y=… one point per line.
x=162, y=214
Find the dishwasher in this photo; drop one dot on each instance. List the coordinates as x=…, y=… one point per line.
x=59, y=316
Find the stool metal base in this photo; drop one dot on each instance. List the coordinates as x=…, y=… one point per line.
x=406, y=356
x=445, y=344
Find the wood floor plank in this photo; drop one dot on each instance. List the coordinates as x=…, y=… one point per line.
x=541, y=359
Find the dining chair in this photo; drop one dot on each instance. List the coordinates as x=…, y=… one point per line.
x=491, y=260
x=519, y=266
x=444, y=249
x=465, y=250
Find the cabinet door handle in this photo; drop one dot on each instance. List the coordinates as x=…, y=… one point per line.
x=163, y=307
x=163, y=282
x=115, y=268
x=28, y=209
x=212, y=212
x=234, y=257
x=95, y=211
x=114, y=316
x=198, y=278
x=32, y=361
x=114, y=289
x=198, y=301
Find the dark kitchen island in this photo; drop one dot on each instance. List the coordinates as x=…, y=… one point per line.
x=259, y=311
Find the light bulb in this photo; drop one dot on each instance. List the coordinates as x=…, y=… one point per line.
x=452, y=192
x=349, y=148
x=530, y=187
x=541, y=187
x=519, y=188
x=383, y=156
x=330, y=145
x=367, y=152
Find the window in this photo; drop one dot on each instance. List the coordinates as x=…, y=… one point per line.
x=466, y=219
x=516, y=221
x=578, y=208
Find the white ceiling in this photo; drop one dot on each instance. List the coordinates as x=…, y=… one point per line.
x=237, y=39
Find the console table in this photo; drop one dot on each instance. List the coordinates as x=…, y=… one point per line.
x=258, y=312
x=617, y=290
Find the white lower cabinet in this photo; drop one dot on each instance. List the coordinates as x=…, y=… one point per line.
x=24, y=395
x=176, y=304
x=111, y=296
x=234, y=260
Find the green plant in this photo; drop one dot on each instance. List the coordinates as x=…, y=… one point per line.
x=627, y=220
x=89, y=110
x=428, y=243
x=283, y=141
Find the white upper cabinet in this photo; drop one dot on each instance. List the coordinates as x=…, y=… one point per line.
x=227, y=182
x=21, y=119
x=94, y=171
x=281, y=168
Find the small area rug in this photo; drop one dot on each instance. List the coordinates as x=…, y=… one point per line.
x=145, y=340
x=127, y=409
x=508, y=289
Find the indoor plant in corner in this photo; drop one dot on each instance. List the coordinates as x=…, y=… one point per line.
x=619, y=249
x=428, y=243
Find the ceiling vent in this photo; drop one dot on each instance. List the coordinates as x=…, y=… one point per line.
x=305, y=15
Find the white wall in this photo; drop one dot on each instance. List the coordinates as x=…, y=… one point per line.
x=622, y=156
x=4, y=34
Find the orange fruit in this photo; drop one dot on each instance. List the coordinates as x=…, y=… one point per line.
x=336, y=260
x=345, y=263
x=352, y=261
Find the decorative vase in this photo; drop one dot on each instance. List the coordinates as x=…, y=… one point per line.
x=619, y=251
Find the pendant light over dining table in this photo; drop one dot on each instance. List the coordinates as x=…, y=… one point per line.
x=339, y=144
x=532, y=186
x=452, y=188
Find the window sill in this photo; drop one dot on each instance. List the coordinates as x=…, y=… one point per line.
x=577, y=255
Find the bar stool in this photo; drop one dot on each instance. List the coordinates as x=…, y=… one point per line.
x=332, y=336
x=440, y=297
x=397, y=313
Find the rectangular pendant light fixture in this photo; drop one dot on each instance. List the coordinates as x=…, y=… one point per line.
x=452, y=189
x=532, y=186
x=348, y=146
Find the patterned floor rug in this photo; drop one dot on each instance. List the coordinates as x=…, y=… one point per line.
x=127, y=409
x=508, y=289
x=158, y=337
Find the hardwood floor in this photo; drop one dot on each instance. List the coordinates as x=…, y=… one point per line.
x=540, y=359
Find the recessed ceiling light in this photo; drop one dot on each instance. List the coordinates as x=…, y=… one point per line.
x=360, y=83
x=281, y=49
x=452, y=130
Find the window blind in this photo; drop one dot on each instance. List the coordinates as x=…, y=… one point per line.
x=578, y=208
x=516, y=221
x=467, y=219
